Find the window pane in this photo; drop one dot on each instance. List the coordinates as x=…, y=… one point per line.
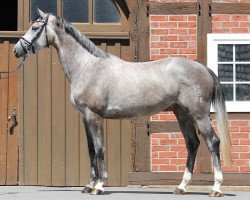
x=242, y=52
x=243, y=72
x=49, y=6
x=243, y=92
x=225, y=52
x=76, y=11
x=225, y=72
x=105, y=11
x=228, y=91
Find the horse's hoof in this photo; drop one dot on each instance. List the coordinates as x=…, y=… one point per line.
x=87, y=189
x=179, y=191
x=215, y=194
x=97, y=192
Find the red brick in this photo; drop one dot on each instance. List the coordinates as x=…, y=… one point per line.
x=158, y=18
x=187, y=51
x=221, y=17
x=230, y=24
x=218, y=30
x=239, y=17
x=238, y=148
x=239, y=123
x=244, y=24
x=177, y=18
x=181, y=142
x=245, y=155
x=159, y=31
x=187, y=38
x=192, y=31
x=178, y=31
x=160, y=148
x=155, y=51
x=216, y=24
x=178, y=161
x=167, y=51
x=178, y=148
x=192, y=44
x=192, y=57
x=245, y=129
x=245, y=142
x=177, y=56
x=155, y=38
x=245, y=169
x=181, y=168
x=182, y=154
x=160, y=135
x=158, y=57
x=169, y=117
x=159, y=44
x=239, y=30
x=168, y=168
x=187, y=24
x=178, y=44
x=235, y=155
x=155, y=154
x=230, y=169
x=176, y=135
x=241, y=162
x=192, y=18
x=234, y=128
x=154, y=25
x=168, y=24
x=168, y=142
x=168, y=154
x=154, y=141
x=160, y=161
x=169, y=38
x=235, y=142
x=239, y=135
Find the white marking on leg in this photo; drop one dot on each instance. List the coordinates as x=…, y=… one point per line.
x=218, y=179
x=99, y=185
x=185, y=180
x=91, y=184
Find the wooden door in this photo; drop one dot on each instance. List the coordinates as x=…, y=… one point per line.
x=8, y=105
x=53, y=147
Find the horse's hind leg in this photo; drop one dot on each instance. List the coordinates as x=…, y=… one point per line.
x=192, y=143
x=94, y=130
x=213, y=142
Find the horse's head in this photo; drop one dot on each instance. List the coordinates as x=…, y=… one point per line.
x=39, y=35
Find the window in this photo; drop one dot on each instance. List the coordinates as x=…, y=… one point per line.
x=8, y=15
x=86, y=15
x=229, y=58
x=49, y=6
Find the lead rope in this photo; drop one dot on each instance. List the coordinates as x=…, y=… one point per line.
x=14, y=72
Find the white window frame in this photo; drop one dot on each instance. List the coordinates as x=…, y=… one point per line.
x=212, y=62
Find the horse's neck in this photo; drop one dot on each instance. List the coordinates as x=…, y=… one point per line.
x=75, y=60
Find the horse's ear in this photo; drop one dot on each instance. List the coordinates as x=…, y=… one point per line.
x=41, y=13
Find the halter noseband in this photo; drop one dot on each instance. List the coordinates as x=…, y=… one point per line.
x=30, y=44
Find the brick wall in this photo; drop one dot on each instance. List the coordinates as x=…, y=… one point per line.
x=175, y=36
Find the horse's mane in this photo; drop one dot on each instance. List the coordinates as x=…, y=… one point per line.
x=80, y=38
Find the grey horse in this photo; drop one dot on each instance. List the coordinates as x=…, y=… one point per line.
x=104, y=86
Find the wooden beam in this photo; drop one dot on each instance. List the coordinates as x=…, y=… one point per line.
x=231, y=8
x=174, y=178
x=204, y=26
x=183, y=8
x=164, y=126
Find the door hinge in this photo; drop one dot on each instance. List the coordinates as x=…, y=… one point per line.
x=13, y=119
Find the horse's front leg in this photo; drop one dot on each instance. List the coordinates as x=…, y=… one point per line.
x=94, y=130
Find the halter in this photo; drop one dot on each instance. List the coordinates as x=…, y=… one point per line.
x=30, y=44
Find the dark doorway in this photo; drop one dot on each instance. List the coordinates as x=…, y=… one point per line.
x=8, y=15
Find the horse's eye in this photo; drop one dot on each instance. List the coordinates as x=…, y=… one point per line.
x=34, y=28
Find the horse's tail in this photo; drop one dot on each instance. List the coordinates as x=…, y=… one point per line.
x=218, y=102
